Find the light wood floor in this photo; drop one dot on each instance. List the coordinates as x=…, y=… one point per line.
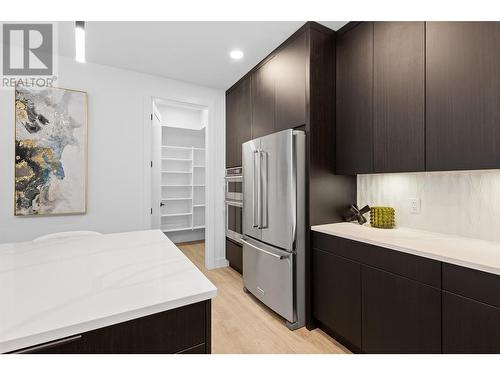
x=241, y=324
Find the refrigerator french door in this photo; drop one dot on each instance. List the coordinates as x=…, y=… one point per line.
x=274, y=222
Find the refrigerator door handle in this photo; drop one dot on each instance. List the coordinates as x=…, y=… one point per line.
x=264, y=199
x=293, y=183
x=255, y=196
x=279, y=256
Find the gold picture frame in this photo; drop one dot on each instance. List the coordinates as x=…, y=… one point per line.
x=46, y=158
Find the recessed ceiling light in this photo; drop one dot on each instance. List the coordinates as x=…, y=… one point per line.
x=236, y=54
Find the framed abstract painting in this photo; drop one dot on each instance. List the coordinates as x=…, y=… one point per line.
x=50, y=152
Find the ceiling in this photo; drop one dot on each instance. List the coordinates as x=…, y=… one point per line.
x=196, y=52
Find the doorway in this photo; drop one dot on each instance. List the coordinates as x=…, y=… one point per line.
x=178, y=169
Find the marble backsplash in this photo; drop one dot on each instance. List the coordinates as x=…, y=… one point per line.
x=465, y=203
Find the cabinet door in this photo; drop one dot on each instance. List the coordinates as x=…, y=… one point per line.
x=234, y=255
x=399, y=315
x=263, y=100
x=238, y=121
x=184, y=329
x=469, y=327
x=354, y=74
x=398, y=96
x=166, y=332
x=68, y=345
x=290, y=73
x=462, y=95
x=337, y=296
x=477, y=285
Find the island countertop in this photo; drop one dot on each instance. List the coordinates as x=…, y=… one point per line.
x=60, y=287
x=467, y=252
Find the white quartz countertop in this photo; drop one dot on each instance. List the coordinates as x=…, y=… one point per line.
x=477, y=254
x=61, y=287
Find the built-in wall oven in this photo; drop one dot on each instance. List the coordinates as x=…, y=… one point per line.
x=234, y=203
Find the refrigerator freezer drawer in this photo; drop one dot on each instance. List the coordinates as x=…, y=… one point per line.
x=268, y=275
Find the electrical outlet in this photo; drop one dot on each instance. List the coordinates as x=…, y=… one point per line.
x=415, y=206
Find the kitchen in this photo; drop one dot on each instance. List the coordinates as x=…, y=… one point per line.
x=415, y=98
x=335, y=194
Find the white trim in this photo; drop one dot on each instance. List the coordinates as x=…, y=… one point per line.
x=220, y=262
x=214, y=175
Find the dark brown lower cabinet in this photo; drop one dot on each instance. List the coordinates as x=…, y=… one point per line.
x=377, y=300
x=476, y=285
x=234, y=255
x=185, y=330
x=399, y=315
x=337, y=298
x=469, y=327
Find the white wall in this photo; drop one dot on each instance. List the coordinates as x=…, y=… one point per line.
x=118, y=190
x=181, y=117
x=460, y=203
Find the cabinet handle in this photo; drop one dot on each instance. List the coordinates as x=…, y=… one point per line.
x=265, y=251
x=255, y=196
x=264, y=199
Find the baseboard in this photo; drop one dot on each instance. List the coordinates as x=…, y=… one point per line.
x=218, y=263
x=189, y=242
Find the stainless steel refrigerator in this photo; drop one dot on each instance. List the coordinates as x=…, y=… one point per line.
x=274, y=223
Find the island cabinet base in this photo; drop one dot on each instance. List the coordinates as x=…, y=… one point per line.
x=184, y=330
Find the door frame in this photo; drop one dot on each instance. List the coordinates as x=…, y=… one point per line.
x=156, y=168
x=214, y=175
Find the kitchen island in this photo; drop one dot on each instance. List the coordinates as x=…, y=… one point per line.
x=131, y=292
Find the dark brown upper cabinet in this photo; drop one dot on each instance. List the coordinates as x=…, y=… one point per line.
x=463, y=95
x=398, y=96
x=270, y=98
x=294, y=87
x=381, y=98
x=263, y=99
x=354, y=75
x=279, y=89
x=290, y=72
x=414, y=96
x=238, y=121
